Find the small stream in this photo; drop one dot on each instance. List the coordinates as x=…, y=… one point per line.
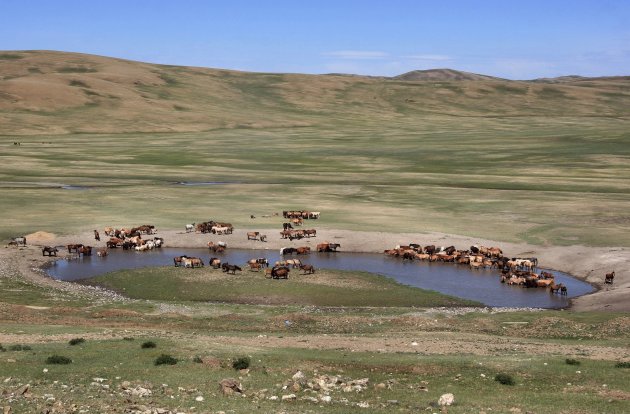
x=447, y=278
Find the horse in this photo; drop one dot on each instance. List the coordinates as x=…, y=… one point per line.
x=74, y=248
x=307, y=269
x=295, y=263
x=553, y=288
x=20, y=240
x=215, y=262
x=563, y=290
x=303, y=250
x=179, y=260
x=286, y=226
x=255, y=266
x=97, y=236
x=287, y=250
x=263, y=237
x=85, y=250
x=261, y=261
x=280, y=272
x=101, y=253
x=609, y=278
x=190, y=227
x=227, y=268
x=310, y=233
x=192, y=262
x=252, y=235
x=49, y=251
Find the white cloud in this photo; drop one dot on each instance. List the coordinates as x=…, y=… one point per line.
x=357, y=54
x=435, y=58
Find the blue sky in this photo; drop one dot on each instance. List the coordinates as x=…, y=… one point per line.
x=512, y=39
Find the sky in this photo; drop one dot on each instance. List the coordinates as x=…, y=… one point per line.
x=512, y=39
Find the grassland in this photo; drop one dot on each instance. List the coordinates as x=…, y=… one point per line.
x=327, y=288
x=540, y=162
x=540, y=180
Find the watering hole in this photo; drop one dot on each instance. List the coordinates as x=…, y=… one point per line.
x=460, y=281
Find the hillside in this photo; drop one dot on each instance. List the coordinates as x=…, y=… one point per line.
x=43, y=92
x=442, y=75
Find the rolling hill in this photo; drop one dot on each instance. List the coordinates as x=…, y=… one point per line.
x=48, y=92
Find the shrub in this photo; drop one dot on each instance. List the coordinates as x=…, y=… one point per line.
x=165, y=360
x=625, y=364
x=18, y=347
x=571, y=361
x=2, y=349
x=198, y=359
x=241, y=363
x=505, y=379
x=76, y=341
x=128, y=338
x=58, y=359
x=148, y=344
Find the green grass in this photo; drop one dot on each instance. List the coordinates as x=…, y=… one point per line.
x=210, y=285
x=598, y=388
x=541, y=180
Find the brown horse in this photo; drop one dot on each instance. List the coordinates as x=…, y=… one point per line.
x=553, y=288
x=307, y=269
x=609, y=278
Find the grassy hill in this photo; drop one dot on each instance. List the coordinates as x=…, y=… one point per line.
x=46, y=92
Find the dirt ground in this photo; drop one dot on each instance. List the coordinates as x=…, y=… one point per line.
x=586, y=263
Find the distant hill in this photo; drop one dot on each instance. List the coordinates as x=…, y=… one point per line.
x=47, y=92
x=442, y=75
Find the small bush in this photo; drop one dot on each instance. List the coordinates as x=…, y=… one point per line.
x=58, y=359
x=505, y=379
x=128, y=338
x=148, y=344
x=76, y=341
x=625, y=364
x=241, y=363
x=79, y=83
x=198, y=359
x=2, y=349
x=571, y=361
x=165, y=360
x=19, y=347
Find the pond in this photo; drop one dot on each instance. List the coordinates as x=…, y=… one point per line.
x=447, y=278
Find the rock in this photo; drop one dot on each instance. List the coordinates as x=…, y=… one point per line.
x=138, y=392
x=229, y=386
x=290, y=397
x=298, y=376
x=363, y=404
x=273, y=398
x=23, y=389
x=7, y=409
x=326, y=398
x=446, y=400
x=199, y=398
x=380, y=386
x=311, y=399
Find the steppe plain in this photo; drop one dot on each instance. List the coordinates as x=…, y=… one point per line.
x=441, y=157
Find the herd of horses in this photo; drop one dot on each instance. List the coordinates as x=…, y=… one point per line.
x=514, y=270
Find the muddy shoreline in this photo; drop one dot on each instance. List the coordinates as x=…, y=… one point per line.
x=588, y=264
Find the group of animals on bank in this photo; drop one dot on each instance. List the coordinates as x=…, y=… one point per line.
x=514, y=271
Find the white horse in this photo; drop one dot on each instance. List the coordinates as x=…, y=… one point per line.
x=190, y=227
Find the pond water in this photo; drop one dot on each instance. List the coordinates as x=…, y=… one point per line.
x=448, y=278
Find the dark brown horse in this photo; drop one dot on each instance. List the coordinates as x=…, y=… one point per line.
x=49, y=251
x=609, y=278
x=307, y=269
